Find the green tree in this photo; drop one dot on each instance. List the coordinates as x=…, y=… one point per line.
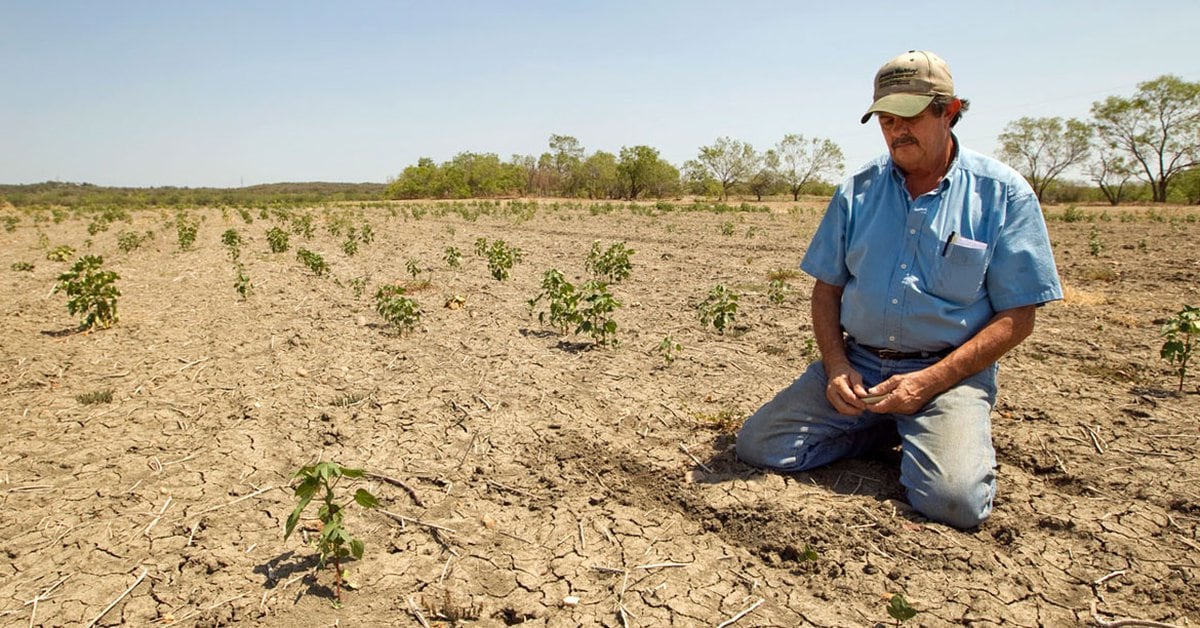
x=566, y=155
x=419, y=181
x=766, y=178
x=1110, y=171
x=642, y=170
x=1041, y=149
x=729, y=162
x=803, y=161
x=1158, y=128
x=599, y=177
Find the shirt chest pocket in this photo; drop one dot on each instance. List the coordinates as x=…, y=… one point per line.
x=959, y=273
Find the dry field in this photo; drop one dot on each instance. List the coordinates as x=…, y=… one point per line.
x=542, y=470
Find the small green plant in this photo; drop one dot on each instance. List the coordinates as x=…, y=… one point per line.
x=481, y=247
x=453, y=257
x=94, y=397
x=232, y=241
x=1073, y=214
x=719, y=308
x=1141, y=245
x=501, y=258
x=245, y=214
x=611, y=265
x=61, y=253
x=22, y=266
x=400, y=311
x=899, y=609
x=241, y=281
x=562, y=300
x=366, y=234
x=810, y=351
x=413, y=267
x=313, y=261
x=596, y=306
x=358, y=285
x=10, y=222
x=277, y=239
x=129, y=241
x=777, y=291
x=1094, y=243
x=302, y=225
x=185, y=229
x=1181, y=333
x=91, y=291
x=350, y=246
x=669, y=349
x=334, y=543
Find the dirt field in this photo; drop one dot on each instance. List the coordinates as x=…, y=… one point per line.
x=541, y=470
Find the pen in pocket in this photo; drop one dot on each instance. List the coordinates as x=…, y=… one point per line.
x=949, y=240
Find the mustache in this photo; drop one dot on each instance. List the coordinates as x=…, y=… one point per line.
x=901, y=141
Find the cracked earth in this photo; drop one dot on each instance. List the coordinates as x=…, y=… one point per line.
x=532, y=482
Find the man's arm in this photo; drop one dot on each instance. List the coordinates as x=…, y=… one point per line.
x=845, y=384
x=908, y=393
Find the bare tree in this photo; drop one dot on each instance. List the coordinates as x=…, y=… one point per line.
x=1158, y=129
x=805, y=160
x=1041, y=149
x=1111, y=171
x=729, y=162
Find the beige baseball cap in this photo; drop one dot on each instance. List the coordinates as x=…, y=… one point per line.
x=907, y=84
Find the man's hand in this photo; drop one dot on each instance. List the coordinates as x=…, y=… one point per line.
x=902, y=394
x=844, y=389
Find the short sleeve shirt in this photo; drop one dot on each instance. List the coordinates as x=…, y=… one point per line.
x=927, y=274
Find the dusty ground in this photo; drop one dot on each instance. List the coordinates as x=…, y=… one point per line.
x=541, y=470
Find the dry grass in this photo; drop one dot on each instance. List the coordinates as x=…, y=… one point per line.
x=1078, y=296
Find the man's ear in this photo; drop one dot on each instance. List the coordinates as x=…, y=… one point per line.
x=953, y=108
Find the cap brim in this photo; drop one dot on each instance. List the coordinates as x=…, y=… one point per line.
x=903, y=105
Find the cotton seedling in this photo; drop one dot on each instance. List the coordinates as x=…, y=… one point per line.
x=129, y=241
x=501, y=258
x=185, y=230
x=61, y=253
x=1181, y=333
x=596, y=304
x=91, y=291
x=313, y=261
x=899, y=610
x=453, y=257
x=562, y=301
x=413, y=267
x=22, y=266
x=612, y=264
x=241, y=282
x=777, y=291
x=334, y=543
x=233, y=242
x=719, y=308
x=400, y=311
x=277, y=239
x=669, y=349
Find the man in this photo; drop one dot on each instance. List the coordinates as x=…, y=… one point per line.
x=929, y=264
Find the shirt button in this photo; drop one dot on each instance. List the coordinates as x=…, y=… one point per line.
x=892, y=338
x=912, y=231
x=903, y=266
x=895, y=301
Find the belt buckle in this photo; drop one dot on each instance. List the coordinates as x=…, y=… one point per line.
x=891, y=354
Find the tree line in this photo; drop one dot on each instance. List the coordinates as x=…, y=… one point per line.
x=1150, y=139
x=792, y=166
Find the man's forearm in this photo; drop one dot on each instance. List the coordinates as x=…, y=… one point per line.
x=827, y=323
x=1005, y=330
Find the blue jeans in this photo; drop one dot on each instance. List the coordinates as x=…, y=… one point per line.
x=947, y=462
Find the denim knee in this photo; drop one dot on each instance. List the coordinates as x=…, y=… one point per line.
x=959, y=504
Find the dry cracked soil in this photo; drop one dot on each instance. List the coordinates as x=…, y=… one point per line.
x=530, y=478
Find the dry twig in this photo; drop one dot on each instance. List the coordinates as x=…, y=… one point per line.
x=119, y=598
x=747, y=611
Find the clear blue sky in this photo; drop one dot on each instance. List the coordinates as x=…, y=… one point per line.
x=223, y=92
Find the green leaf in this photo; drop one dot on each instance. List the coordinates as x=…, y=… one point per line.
x=352, y=473
x=307, y=488
x=899, y=609
x=292, y=520
x=356, y=548
x=364, y=498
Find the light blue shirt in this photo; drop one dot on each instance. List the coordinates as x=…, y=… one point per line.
x=927, y=274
